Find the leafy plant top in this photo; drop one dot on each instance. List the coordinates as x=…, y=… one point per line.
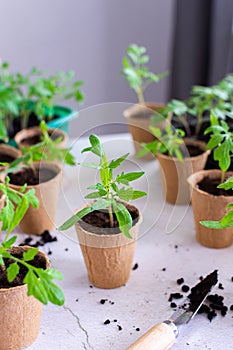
x=39, y=281
x=221, y=142
x=109, y=190
x=167, y=141
x=48, y=150
x=136, y=71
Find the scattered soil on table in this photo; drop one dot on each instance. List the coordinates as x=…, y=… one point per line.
x=44, y=238
x=38, y=261
x=5, y=158
x=213, y=304
x=98, y=221
x=210, y=186
x=135, y=267
x=30, y=177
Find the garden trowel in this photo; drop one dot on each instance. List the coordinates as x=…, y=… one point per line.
x=163, y=335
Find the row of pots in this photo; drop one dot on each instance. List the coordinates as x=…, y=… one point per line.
x=180, y=180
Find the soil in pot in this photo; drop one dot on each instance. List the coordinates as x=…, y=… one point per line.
x=38, y=261
x=5, y=158
x=29, y=141
x=33, y=120
x=210, y=185
x=98, y=221
x=31, y=177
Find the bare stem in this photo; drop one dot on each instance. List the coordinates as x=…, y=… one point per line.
x=222, y=176
x=110, y=215
x=140, y=96
x=199, y=122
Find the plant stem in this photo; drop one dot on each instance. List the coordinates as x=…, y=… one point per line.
x=222, y=176
x=199, y=122
x=140, y=96
x=186, y=125
x=110, y=215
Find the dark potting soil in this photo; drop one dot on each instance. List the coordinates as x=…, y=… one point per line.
x=98, y=221
x=31, y=178
x=210, y=186
x=5, y=158
x=190, y=150
x=33, y=120
x=29, y=141
x=38, y=261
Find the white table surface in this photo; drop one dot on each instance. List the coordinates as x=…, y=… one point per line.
x=167, y=240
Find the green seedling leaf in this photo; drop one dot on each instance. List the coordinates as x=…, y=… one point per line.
x=30, y=254
x=123, y=217
x=10, y=242
x=93, y=195
x=32, y=199
x=54, y=274
x=125, y=194
x=228, y=184
x=36, y=287
x=19, y=213
x=12, y=271
x=126, y=178
x=75, y=218
x=216, y=224
x=138, y=194
x=115, y=163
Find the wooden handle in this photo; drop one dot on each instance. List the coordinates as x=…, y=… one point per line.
x=159, y=337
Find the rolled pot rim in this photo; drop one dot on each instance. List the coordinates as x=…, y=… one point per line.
x=193, y=183
x=106, y=236
x=45, y=164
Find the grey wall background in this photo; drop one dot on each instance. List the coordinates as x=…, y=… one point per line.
x=90, y=37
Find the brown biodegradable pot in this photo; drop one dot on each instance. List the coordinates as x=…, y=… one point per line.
x=22, y=136
x=108, y=257
x=209, y=207
x=139, y=119
x=175, y=173
x=20, y=315
x=8, y=151
x=37, y=220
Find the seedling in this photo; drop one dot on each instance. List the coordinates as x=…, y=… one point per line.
x=227, y=220
x=168, y=141
x=109, y=191
x=39, y=281
x=20, y=94
x=204, y=99
x=47, y=150
x=179, y=111
x=221, y=142
x=136, y=71
x=9, y=101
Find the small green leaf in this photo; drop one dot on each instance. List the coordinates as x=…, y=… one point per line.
x=123, y=217
x=75, y=218
x=93, y=195
x=215, y=224
x=19, y=213
x=115, y=163
x=125, y=194
x=138, y=194
x=12, y=271
x=36, y=287
x=8, y=244
x=30, y=254
x=100, y=204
